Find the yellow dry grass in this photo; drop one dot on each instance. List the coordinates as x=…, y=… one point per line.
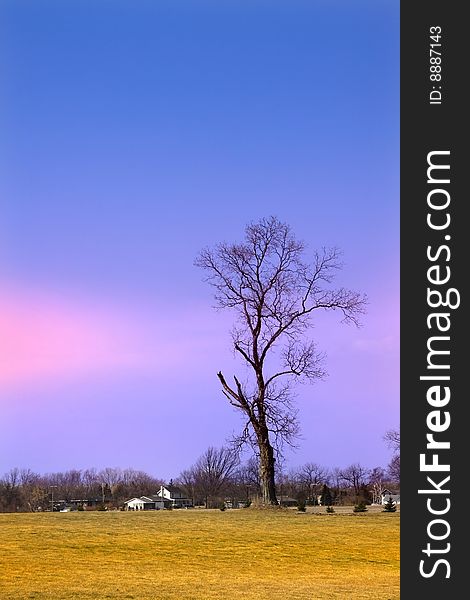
x=199, y=555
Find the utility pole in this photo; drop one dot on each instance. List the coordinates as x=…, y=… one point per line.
x=52, y=496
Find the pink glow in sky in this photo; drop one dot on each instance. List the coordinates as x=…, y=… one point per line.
x=47, y=338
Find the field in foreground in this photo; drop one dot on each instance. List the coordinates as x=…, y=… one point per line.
x=199, y=555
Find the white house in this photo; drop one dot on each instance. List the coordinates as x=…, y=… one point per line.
x=145, y=503
x=387, y=495
x=174, y=496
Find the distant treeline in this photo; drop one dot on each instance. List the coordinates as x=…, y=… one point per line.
x=217, y=476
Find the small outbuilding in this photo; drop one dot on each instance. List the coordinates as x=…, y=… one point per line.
x=145, y=503
x=387, y=495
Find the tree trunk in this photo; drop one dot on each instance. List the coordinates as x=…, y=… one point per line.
x=268, y=488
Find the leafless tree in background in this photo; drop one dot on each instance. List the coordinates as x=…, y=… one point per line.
x=188, y=481
x=312, y=477
x=248, y=477
x=10, y=490
x=91, y=483
x=212, y=473
x=274, y=294
x=33, y=490
x=377, y=482
x=355, y=476
x=110, y=478
x=392, y=437
x=393, y=469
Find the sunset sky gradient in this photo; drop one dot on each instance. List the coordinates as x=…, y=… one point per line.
x=136, y=133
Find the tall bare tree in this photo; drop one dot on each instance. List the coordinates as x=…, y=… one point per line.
x=274, y=293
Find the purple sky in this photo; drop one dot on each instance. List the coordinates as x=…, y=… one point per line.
x=136, y=133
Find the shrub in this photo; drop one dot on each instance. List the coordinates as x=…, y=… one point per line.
x=361, y=507
x=301, y=505
x=80, y=507
x=390, y=506
x=330, y=510
x=247, y=504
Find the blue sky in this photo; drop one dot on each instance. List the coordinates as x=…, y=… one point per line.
x=134, y=134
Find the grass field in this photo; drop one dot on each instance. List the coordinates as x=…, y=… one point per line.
x=199, y=555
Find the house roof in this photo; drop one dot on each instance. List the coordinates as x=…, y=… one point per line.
x=176, y=494
x=145, y=499
x=172, y=489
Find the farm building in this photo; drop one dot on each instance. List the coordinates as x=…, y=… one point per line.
x=145, y=503
x=287, y=501
x=387, y=495
x=233, y=503
x=174, y=496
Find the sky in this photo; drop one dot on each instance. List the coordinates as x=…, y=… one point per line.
x=133, y=135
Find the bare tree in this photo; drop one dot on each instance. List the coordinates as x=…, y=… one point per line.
x=248, y=477
x=110, y=478
x=69, y=483
x=274, y=294
x=10, y=490
x=188, y=481
x=392, y=437
x=377, y=483
x=213, y=472
x=393, y=469
x=355, y=476
x=135, y=483
x=312, y=477
x=91, y=483
x=33, y=490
